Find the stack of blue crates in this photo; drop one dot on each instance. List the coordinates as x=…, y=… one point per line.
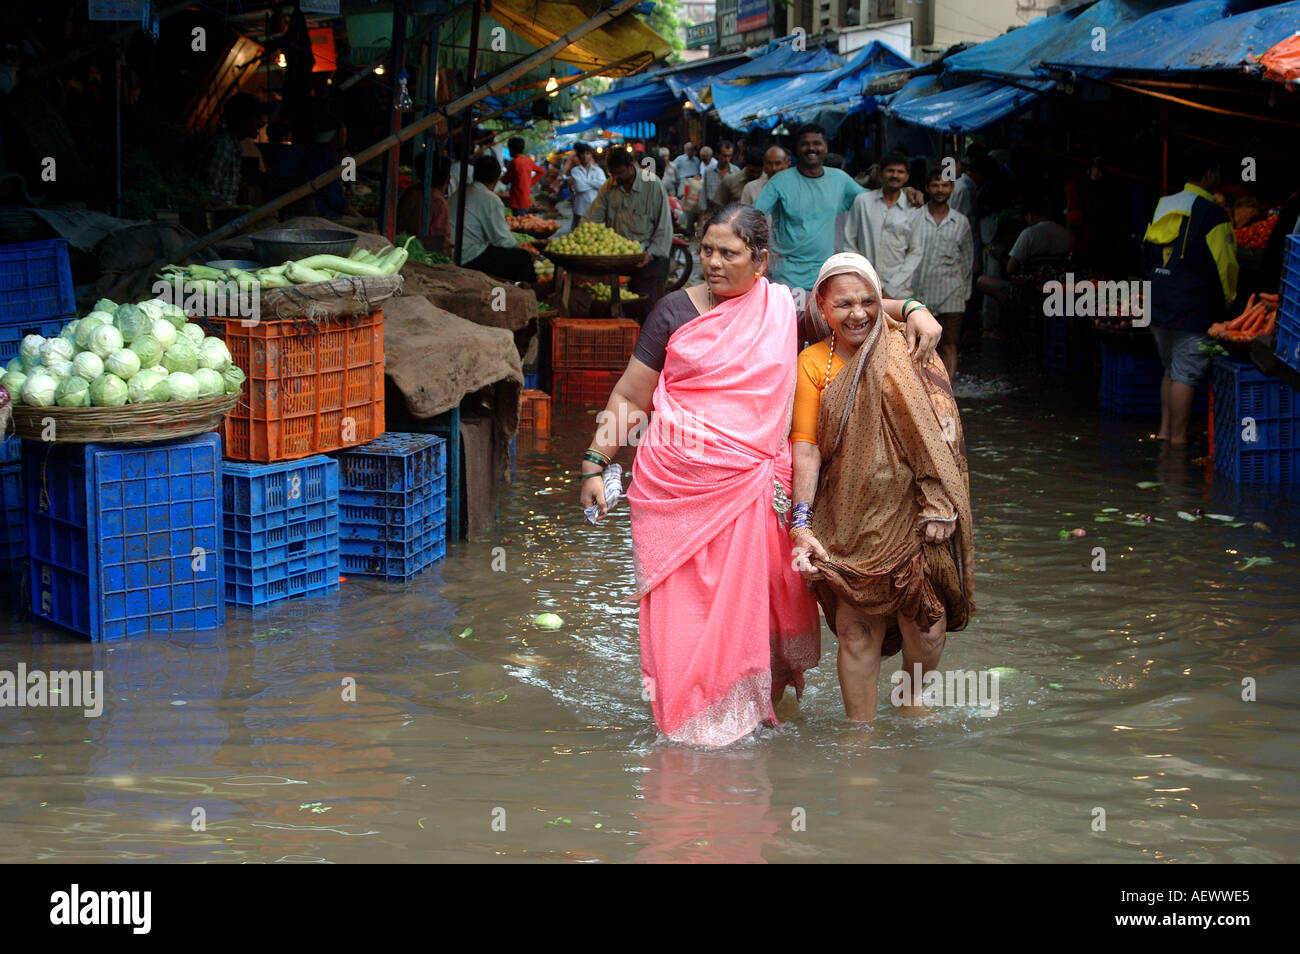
x=281, y=523
x=1130, y=384
x=1287, y=347
x=393, y=506
x=13, y=509
x=125, y=539
x=1249, y=403
x=36, y=298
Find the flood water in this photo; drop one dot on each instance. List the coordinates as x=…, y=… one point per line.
x=1120, y=690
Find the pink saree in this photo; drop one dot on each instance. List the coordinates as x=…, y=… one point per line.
x=725, y=620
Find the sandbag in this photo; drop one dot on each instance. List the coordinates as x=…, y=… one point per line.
x=473, y=295
x=339, y=298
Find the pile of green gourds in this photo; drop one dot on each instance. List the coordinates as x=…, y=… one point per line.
x=316, y=268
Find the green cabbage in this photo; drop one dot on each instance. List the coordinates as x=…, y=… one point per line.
x=73, y=392
x=108, y=390
x=12, y=381
x=58, y=368
x=175, y=314
x=153, y=308
x=210, y=383
x=165, y=332
x=234, y=379
x=57, y=348
x=183, y=386
x=87, y=365
x=15, y=364
x=132, y=321
x=104, y=340
x=30, y=351
x=181, y=357
x=124, y=363
x=38, y=389
x=148, y=387
x=69, y=332
x=214, y=354
x=149, y=349
x=193, y=332
x=96, y=319
x=105, y=304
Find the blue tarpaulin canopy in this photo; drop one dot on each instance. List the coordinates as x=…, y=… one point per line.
x=1201, y=35
x=960, y=109
x=785, y=85
x=1016, y=55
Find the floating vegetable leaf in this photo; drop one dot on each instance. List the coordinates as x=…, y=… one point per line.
x=1110, y=509
x=1218, y=516
x=1256, y=561
x=1101, y=520
x=464, y=634
x=1148, y=484
x=1184, y=515
x=1288, y=544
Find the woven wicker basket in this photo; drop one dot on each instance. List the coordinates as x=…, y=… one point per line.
x=129, y=424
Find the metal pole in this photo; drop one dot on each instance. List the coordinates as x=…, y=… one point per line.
x=372, y=152
x=398, y=59
x=117, y=129
x=430, y=141
x=469, y=135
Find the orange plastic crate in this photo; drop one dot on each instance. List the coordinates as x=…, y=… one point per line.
x=535, y=411
x=312, y=387
x=584, y=388
x=592, y=343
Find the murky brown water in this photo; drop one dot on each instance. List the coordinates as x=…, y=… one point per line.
x=1126, y=695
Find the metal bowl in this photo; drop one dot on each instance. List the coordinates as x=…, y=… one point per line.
x=226, y=264
x=275, y=246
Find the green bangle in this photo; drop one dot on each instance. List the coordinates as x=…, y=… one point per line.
x=598, y=473
x=906, y=302
x=917, y=306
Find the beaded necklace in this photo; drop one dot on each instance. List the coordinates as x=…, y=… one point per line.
x=829, y=359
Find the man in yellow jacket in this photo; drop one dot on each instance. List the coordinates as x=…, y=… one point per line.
x=1191, y=257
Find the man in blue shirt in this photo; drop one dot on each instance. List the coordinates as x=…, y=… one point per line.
x=686, y=166
x=802, y=203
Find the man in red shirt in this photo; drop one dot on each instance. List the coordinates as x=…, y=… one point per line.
x=521, y=175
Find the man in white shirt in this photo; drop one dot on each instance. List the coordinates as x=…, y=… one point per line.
x=487, y=244
x=587, y=178
x=721, y=168
x=879, y=227
x=943, y=278
x=775, y=160
x=685, y=166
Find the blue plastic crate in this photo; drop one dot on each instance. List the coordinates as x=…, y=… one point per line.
x=389, y=509
x=11, y=336
x=280, y=544
x=530, y=382
x=393, y=462
x=11, y=449
x=1248, y=402
x=13, y=513
x=410, y=544
x=395, y=568
x=394, y=532
x=115, y=533
x=35, y=282
x=1287, y=345
x=1130, y=384
x=295, y=566
x=311, y=582
x=275, y=495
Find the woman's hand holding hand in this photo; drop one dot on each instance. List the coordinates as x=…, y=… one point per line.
x=806, y=546
x=923, y=333
x=593, y=494
x=937, y=531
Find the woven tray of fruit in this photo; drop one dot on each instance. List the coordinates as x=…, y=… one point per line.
x=594, y=248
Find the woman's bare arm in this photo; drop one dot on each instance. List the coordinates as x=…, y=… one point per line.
x=923, y=329
x=627, y=409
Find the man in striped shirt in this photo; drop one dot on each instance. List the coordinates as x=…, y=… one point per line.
x=943, y=278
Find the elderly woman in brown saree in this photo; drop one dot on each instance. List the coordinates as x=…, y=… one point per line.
x=881, y=524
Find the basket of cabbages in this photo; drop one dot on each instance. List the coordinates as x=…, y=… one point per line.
x=122, y=374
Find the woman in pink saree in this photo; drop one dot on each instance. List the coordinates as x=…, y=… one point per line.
x=726, y=624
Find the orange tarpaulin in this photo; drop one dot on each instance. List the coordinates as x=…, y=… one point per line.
x=1282, y=62
x=541, y=22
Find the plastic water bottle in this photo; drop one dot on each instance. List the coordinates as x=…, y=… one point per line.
x=613, y=490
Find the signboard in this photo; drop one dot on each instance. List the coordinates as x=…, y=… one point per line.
x=117, y=10
x=701, y=34
x=751, y=15
x=728, y=34
x=327, y=7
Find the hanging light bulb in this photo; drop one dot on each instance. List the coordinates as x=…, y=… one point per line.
x=379, y=71
x=552, y=86
x=281, y=62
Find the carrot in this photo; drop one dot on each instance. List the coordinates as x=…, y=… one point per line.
x=1270, y=300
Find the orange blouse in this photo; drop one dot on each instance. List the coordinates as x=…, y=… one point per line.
x=809, y=385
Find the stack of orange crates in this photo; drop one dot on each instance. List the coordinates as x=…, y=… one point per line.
x=588, y=356
x=535, y=412
x=313, y=386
